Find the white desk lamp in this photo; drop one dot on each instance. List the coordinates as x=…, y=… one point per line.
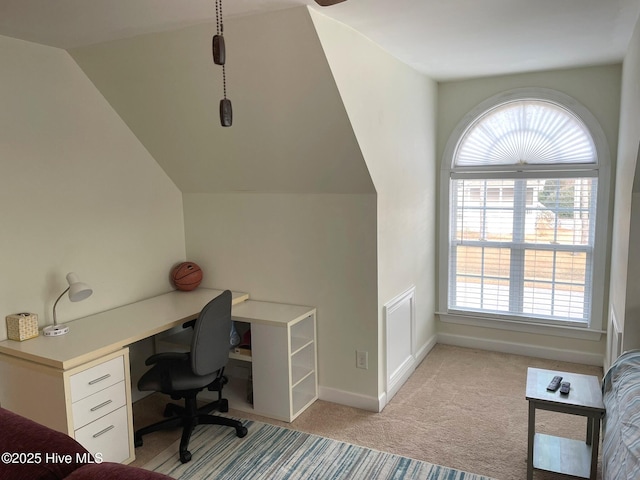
x=77, y=291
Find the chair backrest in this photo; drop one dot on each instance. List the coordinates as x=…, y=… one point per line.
x=210, y=342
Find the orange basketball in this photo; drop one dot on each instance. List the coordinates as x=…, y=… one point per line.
x=186, y=276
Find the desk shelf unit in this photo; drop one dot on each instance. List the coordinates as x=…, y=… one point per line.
x=281, y=371
x=45, y=378
x=90, y=402
x=303, y=364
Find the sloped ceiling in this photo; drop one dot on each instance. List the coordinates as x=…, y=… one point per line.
x=290, y=130
x=444, y=39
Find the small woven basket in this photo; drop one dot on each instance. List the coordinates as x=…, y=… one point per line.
x=22, y=326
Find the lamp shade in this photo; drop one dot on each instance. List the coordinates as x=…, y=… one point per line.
x=77, y=290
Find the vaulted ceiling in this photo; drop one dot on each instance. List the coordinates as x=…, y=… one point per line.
x=290, y=130
x=151, y=60
x=445, y=39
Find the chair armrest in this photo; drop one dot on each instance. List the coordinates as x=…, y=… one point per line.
x=164, y=356
x=189, y=324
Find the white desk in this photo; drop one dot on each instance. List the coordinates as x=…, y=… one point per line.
x=96, y=335
x=80, y=384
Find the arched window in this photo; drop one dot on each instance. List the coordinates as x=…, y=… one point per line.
x=520, y=180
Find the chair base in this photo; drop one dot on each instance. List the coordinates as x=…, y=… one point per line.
x=188, y=417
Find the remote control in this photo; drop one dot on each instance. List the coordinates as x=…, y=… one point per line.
x=564, y=388
x=555, y=384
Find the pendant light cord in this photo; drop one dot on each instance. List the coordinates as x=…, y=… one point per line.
x=224, y=82
x=220, y=31
x=218, y=13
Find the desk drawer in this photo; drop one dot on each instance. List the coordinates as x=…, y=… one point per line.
x=108, y=436
x=96, y=378
x=99, y=404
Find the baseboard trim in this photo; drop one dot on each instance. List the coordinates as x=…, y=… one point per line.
x=423, y=351
x=374, y=404
x=365, y=402
x=402, y=375
x=521, y=349
x=411, y=366
x=349, y=399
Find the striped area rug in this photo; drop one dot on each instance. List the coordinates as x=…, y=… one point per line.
x=269, y=452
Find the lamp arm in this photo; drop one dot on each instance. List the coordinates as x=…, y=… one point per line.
x=56, y=303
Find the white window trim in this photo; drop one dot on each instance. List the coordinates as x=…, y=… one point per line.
x=594, y=329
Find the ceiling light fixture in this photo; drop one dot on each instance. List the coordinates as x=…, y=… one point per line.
x=328, y=3
x=219, y=58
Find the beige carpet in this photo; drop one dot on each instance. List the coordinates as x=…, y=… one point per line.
x=461, y=408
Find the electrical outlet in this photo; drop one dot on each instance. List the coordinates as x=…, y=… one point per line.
x=362, y=360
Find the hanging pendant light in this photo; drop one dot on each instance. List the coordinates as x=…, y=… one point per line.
x=219, y=58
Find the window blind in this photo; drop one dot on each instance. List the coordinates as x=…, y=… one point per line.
x=523, y=247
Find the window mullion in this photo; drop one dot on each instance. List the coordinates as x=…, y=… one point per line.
x=483, y=238
x=517, y=266
x=453, y=240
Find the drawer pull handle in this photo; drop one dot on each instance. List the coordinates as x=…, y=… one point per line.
x=99, y=379
x=103, y=404
x=102, y=432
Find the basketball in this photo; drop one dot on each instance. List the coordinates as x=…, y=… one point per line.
x=186, y=276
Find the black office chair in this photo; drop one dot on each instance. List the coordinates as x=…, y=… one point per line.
x=183, y=375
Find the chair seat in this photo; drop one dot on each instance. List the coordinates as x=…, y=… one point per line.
x=174, y=376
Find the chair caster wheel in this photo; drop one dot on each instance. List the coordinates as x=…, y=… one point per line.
x=241, y=432
x=137, y=442
x=185, y=456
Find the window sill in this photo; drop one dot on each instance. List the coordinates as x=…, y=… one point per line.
x=582, y=333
